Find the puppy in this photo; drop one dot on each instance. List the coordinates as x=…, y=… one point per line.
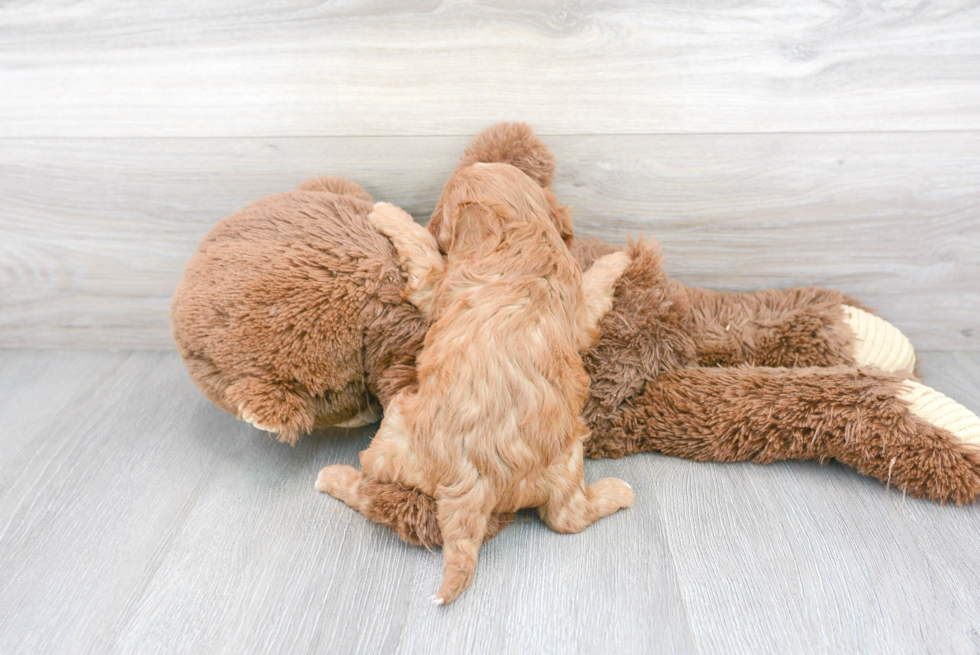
x=494, y=423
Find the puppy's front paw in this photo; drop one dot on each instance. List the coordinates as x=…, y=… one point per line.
x=614, y=264
x=598, y=291
x=389, y=219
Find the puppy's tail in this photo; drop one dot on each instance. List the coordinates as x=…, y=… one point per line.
x=463, y=521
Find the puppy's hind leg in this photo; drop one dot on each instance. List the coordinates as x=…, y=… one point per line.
x=387, y=459
x=571, y=506
x=463, y=521
x=343, y=483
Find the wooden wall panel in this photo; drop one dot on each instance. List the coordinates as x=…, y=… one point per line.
x=94, y=233
x=420, y=67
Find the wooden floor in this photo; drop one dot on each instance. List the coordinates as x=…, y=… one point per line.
x=135, y=517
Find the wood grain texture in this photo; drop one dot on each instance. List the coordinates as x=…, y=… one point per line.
x=137, y=518
x=95, y=233
x=371, y=67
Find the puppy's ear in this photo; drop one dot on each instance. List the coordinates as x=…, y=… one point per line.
x=562, y=215
x=435, y=224
x=473, y=227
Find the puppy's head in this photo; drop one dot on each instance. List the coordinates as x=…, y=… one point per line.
x=481, y=200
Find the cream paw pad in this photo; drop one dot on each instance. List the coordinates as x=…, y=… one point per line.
x=878, y=343
x=253, y=420
x=365, y=417
x=941, y=410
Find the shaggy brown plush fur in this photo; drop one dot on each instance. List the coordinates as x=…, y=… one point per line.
x=290, y=313
x=292, y=310
x=770, y=414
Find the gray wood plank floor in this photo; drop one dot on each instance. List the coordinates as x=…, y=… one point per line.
x=137, y=518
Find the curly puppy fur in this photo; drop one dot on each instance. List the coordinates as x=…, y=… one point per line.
x=494, y=423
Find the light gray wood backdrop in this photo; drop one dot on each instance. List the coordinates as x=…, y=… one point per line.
x=764, y=143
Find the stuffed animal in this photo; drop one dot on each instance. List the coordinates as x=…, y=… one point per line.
x=291, y=316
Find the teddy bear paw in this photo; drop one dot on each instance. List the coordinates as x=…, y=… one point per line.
x=941, y=410
x=250, y=418
x=878, y=343
x=366, y=416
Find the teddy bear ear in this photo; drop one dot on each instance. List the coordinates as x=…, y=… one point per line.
x=514, y=144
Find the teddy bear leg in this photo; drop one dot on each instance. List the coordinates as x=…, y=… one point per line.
x=877, y=342
x=906, y=435
x=793, y=328
x=941, y=411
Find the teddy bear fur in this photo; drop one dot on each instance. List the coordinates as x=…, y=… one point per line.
x=290, y=312
x=291, y=315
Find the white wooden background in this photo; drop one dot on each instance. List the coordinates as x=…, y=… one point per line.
x=764, y=143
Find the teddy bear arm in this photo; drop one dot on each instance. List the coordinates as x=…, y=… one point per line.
x=885, y=426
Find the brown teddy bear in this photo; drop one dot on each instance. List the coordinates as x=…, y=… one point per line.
x=290, y=316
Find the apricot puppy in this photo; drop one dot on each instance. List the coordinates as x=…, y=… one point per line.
x=494, y=424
